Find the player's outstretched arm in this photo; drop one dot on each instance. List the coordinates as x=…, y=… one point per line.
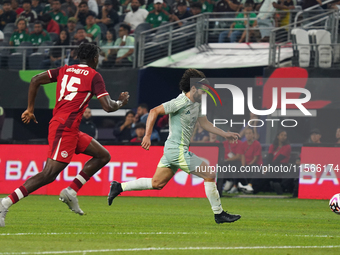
x=207, y=125
x=37, y=80
x=153, y=114
x=110, y=105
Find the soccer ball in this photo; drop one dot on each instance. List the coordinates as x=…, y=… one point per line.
x=334, y=203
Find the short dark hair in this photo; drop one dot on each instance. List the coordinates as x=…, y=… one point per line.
x=83, y=2
x=144, y=106
x=6, y=2
x=196, y=5
x=315, y=131
x=184, y=84
x=56, y=1
x=126, y=27
x=129, y=112
x=37, y=22
x=87, y=51
x=27, y=2
x=80, y=28
x=24, y=19
x=248, y=4
x=140, y=125
x=45, y=18
x=89, y=14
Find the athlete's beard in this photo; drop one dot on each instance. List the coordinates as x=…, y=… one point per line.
x=134, y=8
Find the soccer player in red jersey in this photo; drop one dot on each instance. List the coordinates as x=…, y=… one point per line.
x=76, y=85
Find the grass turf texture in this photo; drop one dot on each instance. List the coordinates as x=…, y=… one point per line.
x=133, y=222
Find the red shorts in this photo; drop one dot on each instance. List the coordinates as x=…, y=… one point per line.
x=64, y=142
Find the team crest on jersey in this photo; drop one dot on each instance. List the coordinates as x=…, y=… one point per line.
x=64, y=154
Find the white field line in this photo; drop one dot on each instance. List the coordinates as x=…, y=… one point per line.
x=172, y=249
x=151, y=233
x=103, y=233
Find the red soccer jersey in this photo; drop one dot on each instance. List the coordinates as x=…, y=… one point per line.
x=76, y=85
x=285, y=150
x=234, y=148
x=250, y=151
x=135, y=140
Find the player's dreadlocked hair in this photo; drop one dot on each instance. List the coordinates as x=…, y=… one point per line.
x=184, y=84
x=87, y=51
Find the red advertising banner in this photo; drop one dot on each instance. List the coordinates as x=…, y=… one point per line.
x=19, y=162
x=319, y=172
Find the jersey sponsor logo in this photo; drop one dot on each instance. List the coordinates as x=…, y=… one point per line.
x=188, y=112
x=77, y=71
x=64, y=154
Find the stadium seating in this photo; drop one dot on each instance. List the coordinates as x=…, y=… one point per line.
x=103, y=29
x=142, y=27
x=45, y=50
x=54, y=37
x=321, y=49
x=9, y=28
x=324, y=48
x=21, y=49
x=116, y=29
x=305, y=53
x=7, y=37
x=35, y=60
x=313, y=44
x=15, y=61
x=4, y=57
x=30, y=27
x=301, y=46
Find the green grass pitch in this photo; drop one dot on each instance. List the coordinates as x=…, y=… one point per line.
x=136, y=225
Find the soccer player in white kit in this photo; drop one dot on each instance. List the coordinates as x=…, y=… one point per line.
x=184, y=112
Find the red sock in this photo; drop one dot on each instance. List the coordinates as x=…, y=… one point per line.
x=79, y=181
x=18, y=194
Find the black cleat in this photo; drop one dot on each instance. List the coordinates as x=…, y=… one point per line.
x=115, y=190
x=226, y=217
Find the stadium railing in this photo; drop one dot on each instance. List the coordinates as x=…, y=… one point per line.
x=309, y=9
x=202, y=29
x=30, y=57
x=302, y=36
x=194, y=32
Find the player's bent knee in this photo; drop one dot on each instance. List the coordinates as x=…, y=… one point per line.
x=157, y=185
x=105, y=156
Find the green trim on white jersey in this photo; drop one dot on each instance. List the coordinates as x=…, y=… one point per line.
x=183, y=115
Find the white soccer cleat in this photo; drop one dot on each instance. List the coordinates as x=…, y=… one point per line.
x=228, y=185
x=233, y=190
x=246, y=189
x=71, y=201
x=3, y=212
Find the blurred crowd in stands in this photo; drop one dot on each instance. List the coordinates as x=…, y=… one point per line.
x=113, y=22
